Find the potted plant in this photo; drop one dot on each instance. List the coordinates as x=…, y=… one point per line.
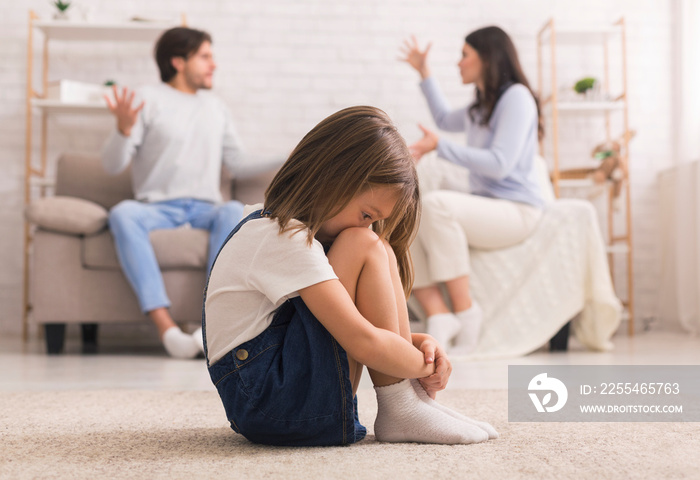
x=62, y=8
x=588, y=87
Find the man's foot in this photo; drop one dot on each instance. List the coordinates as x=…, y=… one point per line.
x=178, y=344
x=197, y=334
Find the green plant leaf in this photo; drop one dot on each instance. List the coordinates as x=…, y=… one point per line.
x=584, y=84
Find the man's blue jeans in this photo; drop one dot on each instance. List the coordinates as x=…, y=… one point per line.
x=131, y=221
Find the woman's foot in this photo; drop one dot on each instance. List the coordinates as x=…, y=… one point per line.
x=467, y=338
x=443, y=327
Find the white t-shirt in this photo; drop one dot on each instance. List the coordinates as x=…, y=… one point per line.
x=256, y=272
x=177, y=146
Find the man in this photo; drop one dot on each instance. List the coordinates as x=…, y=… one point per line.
x=175, y=138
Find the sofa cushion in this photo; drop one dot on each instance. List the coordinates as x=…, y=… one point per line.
x=174, y=248
x=67, y=215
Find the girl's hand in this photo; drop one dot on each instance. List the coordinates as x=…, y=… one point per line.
x=415, y=57
x=426, y=144
x=122, y=109
x=434, y=353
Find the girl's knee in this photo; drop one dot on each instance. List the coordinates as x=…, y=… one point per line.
x=357, y=245
x=360, y=239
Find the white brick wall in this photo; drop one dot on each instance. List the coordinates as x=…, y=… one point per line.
x=283, y=65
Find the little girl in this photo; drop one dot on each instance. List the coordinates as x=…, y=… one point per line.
x=304, y=293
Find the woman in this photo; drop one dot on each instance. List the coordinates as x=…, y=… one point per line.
x=502, y=126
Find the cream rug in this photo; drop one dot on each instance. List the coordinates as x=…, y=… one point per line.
x=147, y=434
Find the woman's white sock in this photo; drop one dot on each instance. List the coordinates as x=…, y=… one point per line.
x=403, y=417
x=178, y=344
x=470, y=326
x=443, y=327
x=423, y=395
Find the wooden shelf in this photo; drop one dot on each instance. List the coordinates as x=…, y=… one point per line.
x=600, y=37
x=56, y=106
x=578, y=183
x=583, y=35
x=585, y=106
x=42, y=182
x=92, y=34
x=89, y=31
x=618, y=248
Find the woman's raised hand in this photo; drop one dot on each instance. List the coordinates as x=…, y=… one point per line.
x=416, y=57
x=426, y=144
x=122, y=109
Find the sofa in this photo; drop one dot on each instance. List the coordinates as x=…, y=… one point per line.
x=75, y=276
x=536, y=292
x=531, y=293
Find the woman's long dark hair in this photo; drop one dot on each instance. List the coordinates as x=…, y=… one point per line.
x=501, y=68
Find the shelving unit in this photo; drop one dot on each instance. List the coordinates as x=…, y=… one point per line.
x=551, y=37
x=37, y=180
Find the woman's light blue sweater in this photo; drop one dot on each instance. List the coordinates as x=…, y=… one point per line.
x=500, y=156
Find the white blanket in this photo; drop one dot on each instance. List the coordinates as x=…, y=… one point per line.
x=529, y=291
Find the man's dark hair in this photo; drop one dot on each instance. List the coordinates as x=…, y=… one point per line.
x=177, y=42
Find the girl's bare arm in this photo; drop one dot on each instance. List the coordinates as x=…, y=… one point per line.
x=379, y=349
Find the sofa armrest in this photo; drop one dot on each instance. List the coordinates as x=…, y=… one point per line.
x=67, y=215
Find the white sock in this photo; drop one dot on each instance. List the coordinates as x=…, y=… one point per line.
x=470, y=322
x=443, y=327
x=197, y=335
x=403, y=417
x=423, y=395
x=178, y=344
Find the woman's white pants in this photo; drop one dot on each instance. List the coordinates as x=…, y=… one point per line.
x=452, y=222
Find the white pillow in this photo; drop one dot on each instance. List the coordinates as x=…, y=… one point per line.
x=67, y=215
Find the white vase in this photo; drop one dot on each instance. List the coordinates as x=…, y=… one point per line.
x=60, y=15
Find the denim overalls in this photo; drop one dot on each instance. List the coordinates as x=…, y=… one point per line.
x=290, y=385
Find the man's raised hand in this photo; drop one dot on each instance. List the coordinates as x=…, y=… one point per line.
x=122, y=109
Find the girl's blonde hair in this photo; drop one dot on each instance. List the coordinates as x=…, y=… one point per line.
x=348, y=152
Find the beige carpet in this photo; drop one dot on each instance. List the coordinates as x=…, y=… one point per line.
x=146, y=434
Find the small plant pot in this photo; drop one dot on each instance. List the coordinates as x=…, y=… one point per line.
x=60, y=16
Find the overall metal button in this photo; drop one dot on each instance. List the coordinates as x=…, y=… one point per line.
x=242, y=354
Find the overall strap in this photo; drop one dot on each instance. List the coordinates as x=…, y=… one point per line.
x=253, y=216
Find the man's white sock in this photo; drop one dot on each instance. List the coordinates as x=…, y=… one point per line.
x=197, y=335
x=403, y=417
x=470, y=322
x=443, y=327
x=423, y=395
x=178, y=344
